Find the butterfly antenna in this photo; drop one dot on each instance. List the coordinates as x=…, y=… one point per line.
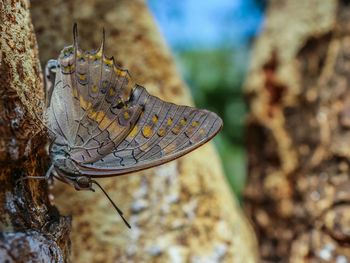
x=114, y=205
x=75, y=35
x=103, y=40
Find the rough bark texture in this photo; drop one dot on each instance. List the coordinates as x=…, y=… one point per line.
x=31, y=229
x=180, y=212
x=298, y=132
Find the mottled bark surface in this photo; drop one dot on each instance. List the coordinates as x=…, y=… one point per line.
x=31, y=229
x=180, y=212
x=298, y=133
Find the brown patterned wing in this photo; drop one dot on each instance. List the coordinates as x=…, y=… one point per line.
x=86, y=110
x=163, y=132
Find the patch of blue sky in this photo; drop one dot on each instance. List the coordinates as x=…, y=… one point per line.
x=207, y=24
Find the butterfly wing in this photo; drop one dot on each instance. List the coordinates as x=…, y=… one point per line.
x=110, y=132
x=163, y=132
x=86, y=109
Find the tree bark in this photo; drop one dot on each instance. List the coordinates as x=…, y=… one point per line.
x=179, y=212
x=298, y=194
x=31, y=228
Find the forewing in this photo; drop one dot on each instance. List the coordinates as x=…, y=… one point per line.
x=163, y=132
x=87, y=110
x=106, y=118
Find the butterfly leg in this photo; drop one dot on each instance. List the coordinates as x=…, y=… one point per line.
x=45, y=177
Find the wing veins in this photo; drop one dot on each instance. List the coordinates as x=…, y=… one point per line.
x=140, y=127
x=185, y=127
x=153, y=135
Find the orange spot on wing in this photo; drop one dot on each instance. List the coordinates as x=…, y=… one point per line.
x=170, y=148
x=92, y=114
x=107, y=62
x=94, y=89
x=84, y=104
x=170, y=121
x=195, y=124
x=176, y=130
x=111, y=92
x=155, y=119
x=126, y=115
x=104, y=124
x=82, y=77
x=133, y=132
x=100, y=116
x=75, y=93
x=114, y=128
x=147, y=131
x=161, y=132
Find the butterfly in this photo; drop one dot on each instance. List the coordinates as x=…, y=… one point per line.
x=102, y=124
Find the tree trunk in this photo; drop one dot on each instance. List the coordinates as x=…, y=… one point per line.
x=31, y=229
x=298, y=132
x=179, y=212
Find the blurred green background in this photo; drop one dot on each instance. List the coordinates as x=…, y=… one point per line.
x=211, y=42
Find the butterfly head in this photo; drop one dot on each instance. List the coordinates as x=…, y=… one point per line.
x=83, y=183
x=80, y=182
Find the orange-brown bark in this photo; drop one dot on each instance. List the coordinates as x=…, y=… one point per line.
x=298, y=194
x=31, y=229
